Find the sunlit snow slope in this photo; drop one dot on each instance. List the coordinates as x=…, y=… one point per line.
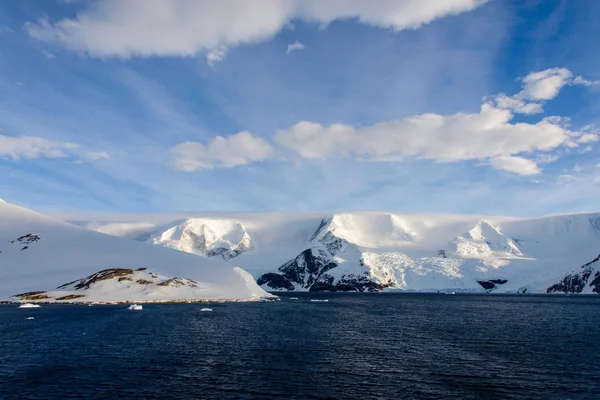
x=369, y=251
x=43, y=259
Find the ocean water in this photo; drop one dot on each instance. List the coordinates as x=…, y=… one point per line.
x=356, y=346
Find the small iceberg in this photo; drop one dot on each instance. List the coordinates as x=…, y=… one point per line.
x=293, y=298
x=319, y=301
x=29, y=305
x=206, y=309
x=30, y=318
x=135, y=307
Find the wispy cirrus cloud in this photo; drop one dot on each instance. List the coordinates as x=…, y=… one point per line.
x=32, y=147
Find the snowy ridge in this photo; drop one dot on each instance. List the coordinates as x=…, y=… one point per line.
x=423, y=252
x=224, y=238
x=42, y=259
x=484, y=240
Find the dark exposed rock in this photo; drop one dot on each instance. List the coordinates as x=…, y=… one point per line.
x=307, y=267
x=141, y=269
x=576, y=282
x=348, y=283
x=143, y=282
x=71, y=297
x=27, y=239
x=28, y=294
x=275, y=281
x=595, y=284
x=125, y=278
x=177, y=282
x=103, y=275
x=32, y=296
x=492, y=283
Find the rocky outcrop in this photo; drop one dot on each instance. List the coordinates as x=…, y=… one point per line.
x=105, y=274
x=178, y=282
x=32, y=296
x=576, y=282
x=70, y=297
x=492, y=284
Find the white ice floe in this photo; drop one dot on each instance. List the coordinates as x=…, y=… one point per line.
x=205, y=309
x=29, y=305
x=30, y=318
x=135, y=307
x=293, y=298
x=319, y=301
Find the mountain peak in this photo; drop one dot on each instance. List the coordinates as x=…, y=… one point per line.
x=210, y=237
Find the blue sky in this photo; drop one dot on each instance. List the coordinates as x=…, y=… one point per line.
x=192, y=105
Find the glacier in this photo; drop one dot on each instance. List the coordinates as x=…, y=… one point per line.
x=375, y=251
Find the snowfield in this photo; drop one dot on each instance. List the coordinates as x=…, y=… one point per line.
x=370, y=251
x=46, y=260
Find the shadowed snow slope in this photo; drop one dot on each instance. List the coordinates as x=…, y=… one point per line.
x=43, y=259
x=383, y=251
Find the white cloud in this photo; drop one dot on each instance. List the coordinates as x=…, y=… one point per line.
x=576, y=168
x=539, y=87
x=588, y=138
x=486, y=135
x=517, y=105
x=145, y=28
x=294, y=46
x=518, y=165
x=216, y=55
x=544, y=85
x=579, y=80
x=239, y=149
x=33, y=147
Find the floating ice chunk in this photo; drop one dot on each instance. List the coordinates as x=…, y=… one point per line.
x=30, y=318
x=29, y=305
x=135, y=307
x=206, y=309
x=319, y=301
x=293, y=298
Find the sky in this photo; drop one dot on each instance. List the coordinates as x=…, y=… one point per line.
x=444, y=106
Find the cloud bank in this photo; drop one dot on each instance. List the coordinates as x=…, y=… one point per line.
x=181, y=28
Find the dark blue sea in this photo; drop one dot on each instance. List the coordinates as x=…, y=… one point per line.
x=356, y=346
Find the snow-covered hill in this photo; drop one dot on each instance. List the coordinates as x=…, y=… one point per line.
x=385, y=251
x=43, y=259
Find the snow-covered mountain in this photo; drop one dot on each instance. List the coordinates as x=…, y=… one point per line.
x=209, y=237
x=365, y=251
x=43, y=259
